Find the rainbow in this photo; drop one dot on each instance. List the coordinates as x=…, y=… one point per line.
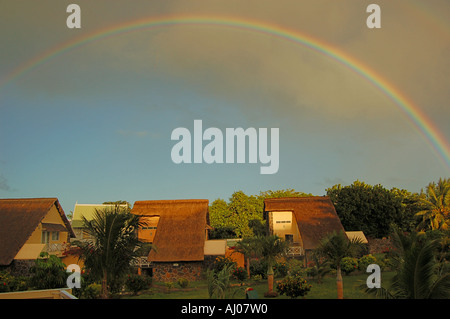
x=421, y=122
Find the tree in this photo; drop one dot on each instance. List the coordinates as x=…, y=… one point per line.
x=114, y=244
x=247, y=247
x=420, y=275
x=270, y=248
x=371, y=209
x=334, y=248
x=436, y=202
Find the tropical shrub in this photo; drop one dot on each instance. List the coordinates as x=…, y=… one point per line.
x=281, y=269
x=293, y=287
x=92, y=291
x=48, y=272
x=183, y=282
x=349, y=264
x=365, y=261
x=5, y=281
x=222, y=262
x=136, y=283
x=239, y=274
x=259, y=267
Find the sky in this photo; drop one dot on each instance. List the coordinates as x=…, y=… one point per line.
x=86, y=114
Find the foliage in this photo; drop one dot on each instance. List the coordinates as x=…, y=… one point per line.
x=334, y=248
x=219, y=283
x=169, y=285
x=222, y=232
x=222, y=262
x=372, y=209
x=239, y=274
x=114, y=244
x=293, y=287
x=5, y=281
x=48, y=272
x=183, y=282
x=136, y=283
x=281, y=269
x=349, y=264
x=420, y=275
x=246, y=246
x=270, y=248
x=318, y=267
x=366, y=260
x=436, y=206
x=259, y=268
x=92, y=291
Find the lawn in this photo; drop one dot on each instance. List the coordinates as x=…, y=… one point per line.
x=324, y=290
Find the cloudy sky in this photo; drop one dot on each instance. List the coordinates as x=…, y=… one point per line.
x=93, y=122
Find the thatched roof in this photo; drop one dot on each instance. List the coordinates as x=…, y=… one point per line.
x=180, y=234
x=18, y=220
x=316, y=216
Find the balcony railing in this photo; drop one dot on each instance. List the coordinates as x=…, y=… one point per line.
x=140, y=262
x=295, y=250
x=55, y=248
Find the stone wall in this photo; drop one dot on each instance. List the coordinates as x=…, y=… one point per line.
x=21, y=267
x=191, y=270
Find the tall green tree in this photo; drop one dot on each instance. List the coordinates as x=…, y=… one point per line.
x=114, y=244
x=371, y=209
x=436, y=206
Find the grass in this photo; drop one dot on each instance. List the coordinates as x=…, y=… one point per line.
x=324, y=290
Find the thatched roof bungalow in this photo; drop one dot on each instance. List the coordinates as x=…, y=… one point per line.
x=180, y=236
x=311, y=219
x=29, y=226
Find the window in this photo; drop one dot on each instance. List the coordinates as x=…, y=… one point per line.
x=45, y=237
x=55, y=235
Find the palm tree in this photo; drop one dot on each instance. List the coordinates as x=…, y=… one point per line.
x=113, y=245
x=420, y=274
x=270, y=248
x=247, y=247
x=333, y=248
x=437, y=206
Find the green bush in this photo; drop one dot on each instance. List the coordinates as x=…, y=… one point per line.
x=365, y=261
x=259, y=267
x=293, y=287
x=281, y=269
x=240, y=274
x=136, y=283
x=48, y=272
x=5, y=281
x=222, y=262
x=92, y=291
x=349, y=264
x=183, y=282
